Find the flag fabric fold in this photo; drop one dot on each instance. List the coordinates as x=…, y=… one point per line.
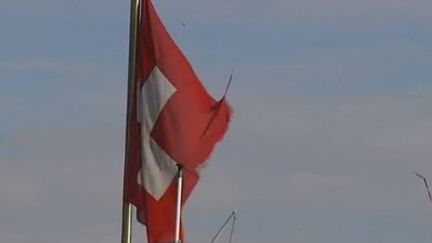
x=172, y=121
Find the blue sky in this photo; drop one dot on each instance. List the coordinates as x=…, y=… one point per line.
x=332, y=103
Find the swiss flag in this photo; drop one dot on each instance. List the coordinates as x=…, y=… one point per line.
x=172, y=121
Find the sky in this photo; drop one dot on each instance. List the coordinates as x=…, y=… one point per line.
x=332, y=113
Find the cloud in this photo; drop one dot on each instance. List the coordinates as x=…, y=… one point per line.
x=295, y=156
x=30, y=64
x=4, y=2
x=328, y=123
x=97, y=232
x=327, y=154
x=282, y=12
x=19, y=191
x=331, y=131
x=52, y=65
x=7, y=105
x=335, y=9
x=58, y=8
x=62, y=183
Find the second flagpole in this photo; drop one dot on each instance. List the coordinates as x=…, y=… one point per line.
x=178, y=206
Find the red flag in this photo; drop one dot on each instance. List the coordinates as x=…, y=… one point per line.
x=172, y=121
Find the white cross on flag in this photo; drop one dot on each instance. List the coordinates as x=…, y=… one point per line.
x=172, y=121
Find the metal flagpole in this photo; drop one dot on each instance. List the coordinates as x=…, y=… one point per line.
x=126, y=233
x=179, y=200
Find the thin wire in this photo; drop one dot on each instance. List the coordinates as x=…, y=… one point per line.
x=232, y=228
x=232, y=215
x=229, y=83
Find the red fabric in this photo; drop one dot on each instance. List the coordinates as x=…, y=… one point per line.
x=188, y=127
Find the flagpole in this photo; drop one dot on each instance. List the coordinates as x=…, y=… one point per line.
x=126, y=232
x=179, y=200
